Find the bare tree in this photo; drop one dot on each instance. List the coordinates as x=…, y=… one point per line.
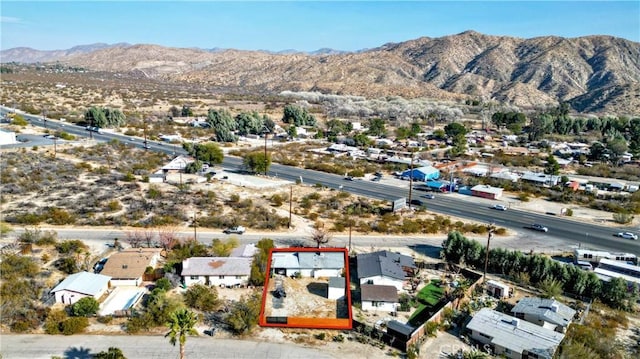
x=148, y=234
x=134, y=238
x=168, y=237
x=320, y=236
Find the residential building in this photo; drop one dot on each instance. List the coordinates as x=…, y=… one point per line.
x=498, y=289
x=128, y=266
x=81, y=285
x=422, y=174
x=400, y=330
x=216, y=271
x=379, y=297
x=308, y=264
x=548, y=313
x=7, y=138
x=540, y=179
x=511, y=337
x=178, y=164
x=385, y=268
x=486, y=191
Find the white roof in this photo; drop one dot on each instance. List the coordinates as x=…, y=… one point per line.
x=495, y=283
x=487, y=189
x=84, y=283
x=178, y=163
x=247, y=250
x=216, y=266
x=516, y=335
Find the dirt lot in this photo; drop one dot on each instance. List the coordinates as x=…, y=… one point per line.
x=306, y=297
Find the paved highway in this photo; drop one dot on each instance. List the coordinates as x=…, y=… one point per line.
x=567, y=230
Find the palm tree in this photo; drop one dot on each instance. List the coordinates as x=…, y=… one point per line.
x=181, y=323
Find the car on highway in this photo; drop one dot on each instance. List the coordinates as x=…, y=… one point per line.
x=429, y=196
x=499, y=207
x=235, y=230
x=539, y=227
x=417, y=202
x=348, y=178
x=627, y=235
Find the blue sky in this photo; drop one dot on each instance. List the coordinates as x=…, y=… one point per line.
x=301, y=25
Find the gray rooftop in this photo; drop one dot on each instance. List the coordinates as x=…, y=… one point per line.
x=400, y=328
x=308, y=260
x=515, y=334
x=549, y=310
x=217, y=266
x=383, y=263
x=379, y=293
x=84, y=283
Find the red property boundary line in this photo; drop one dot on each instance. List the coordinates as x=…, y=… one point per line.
x=306, y=322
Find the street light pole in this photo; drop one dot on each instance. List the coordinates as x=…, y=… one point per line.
x=491, y=229
x=290, y=204
x=195, y=226
x=266, y=132
x=410, y=180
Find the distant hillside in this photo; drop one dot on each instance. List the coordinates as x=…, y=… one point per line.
x=29, y=55
x=593, y=73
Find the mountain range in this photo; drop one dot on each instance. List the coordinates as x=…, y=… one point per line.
x=594, y=74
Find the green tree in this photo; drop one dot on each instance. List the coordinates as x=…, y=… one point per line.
x=255, y=162
x=298, y=116
x=163, y=284
x=202, y=298
x=111, y=353
x=193, y=167
x=552, y=167
x=223, y=124
x=377, y=127
x=615, y=293
x=18, y=120
x=181, y=323
x=205, y=152
x=597, y=151
x=551, y=288
x=259, y=264
x=244, y=313
x=85, y=307
x=617, y=147
x=220, y=248
x=249, y=123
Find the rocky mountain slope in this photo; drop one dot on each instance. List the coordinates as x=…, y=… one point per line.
x=593, y=74
x=29, y=55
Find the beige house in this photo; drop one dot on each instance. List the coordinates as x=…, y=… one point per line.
x=128, y=266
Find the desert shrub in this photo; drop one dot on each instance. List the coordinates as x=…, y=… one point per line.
x=277, y=200
x=52, y=323
x=320, y=336
x=13, y=266
x=59, y=216
x=622, y=218
x=68, y=265
x=524, y=197
x=163, y=284
x=104, y=319
x=74, y=325
x=201, y=297
x=72, y=246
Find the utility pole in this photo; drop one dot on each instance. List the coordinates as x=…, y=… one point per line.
x=44, y=117
x=266, y=132
x=145, y=134
x=290, y=204
x=55, y=147
x=410, y=179
x=491, y=229
x=195, y=225
x=350, y=225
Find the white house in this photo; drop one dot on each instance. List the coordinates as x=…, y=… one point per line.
x=379, y=297
x=216, y=271
x=384, y=268
x=7, y=138
x=128, y=266
x=548, y=313
x=498, y=289
x=512, y=337
x=308, y=264
x=81, y=285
